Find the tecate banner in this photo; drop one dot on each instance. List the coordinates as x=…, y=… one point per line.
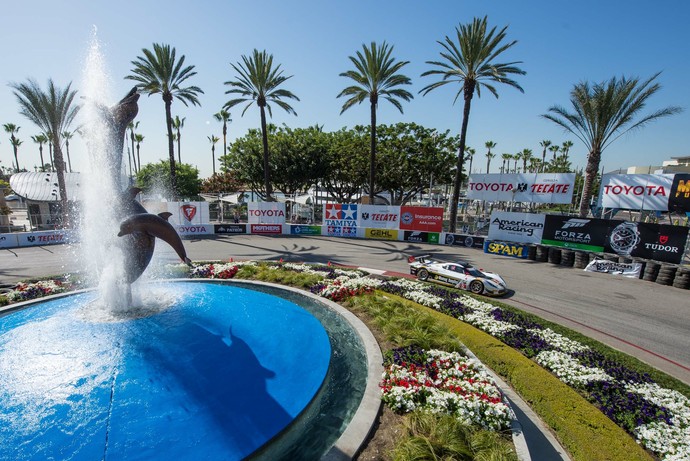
x=266, y=213
x=379, y=216
x=516, y=227
x=636, y=191
x=522, y=187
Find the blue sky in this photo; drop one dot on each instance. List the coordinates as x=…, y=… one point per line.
x=559, y=43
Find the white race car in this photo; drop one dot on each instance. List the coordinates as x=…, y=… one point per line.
x=459, y=274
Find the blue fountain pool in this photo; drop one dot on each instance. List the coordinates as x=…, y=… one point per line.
x=205, y=371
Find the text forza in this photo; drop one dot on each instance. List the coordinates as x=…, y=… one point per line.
x=522, y=226
x=635, y=190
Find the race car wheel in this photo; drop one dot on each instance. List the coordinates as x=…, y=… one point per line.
x=476, y=287
x=423, y=275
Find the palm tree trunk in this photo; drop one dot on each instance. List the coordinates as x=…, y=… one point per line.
x=179, y=153
x=267, y=173
x=60, y=168
x=16, y=158
x=136, y=169
x=590, y=173
x=40, y=152
x=69, y=161
x=468, y=92
x=372, y=154
x=171, y=147
x=225, y=139
x=138, y=159
x=213, y=157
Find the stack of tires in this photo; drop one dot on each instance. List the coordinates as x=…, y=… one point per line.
x=532, y=252
x=581, y=259
x=643, y=265
x=666, y=274
x=542, y=253
x=554, y=255
x=651, y=271
x=567, y=258
x=682, y=279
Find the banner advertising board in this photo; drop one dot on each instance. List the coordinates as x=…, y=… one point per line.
x=679, y=198
x=379, y=216
x=636, y=191
x=631, y=270
x=588, y=234
x=190, y=230
x=660, y=242
x=266, y=228
x=8, y=240
x=522, y=187
x=40, y=238
x=421, y=218
x=384, y=234
x=340, y=219
x=266, y=213
x=470, y=241
x=305, y=230
x=421, y=237
x=230, y=228
x=186, y=213
x=516, y=227
x=506, y=249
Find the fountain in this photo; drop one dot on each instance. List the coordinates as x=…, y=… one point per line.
x=191, y=369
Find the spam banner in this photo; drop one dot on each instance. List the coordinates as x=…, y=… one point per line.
x=522, y=187
x=513, y=250
x=469, y=241
x=230, y=228
x=516, y=227
x=421, y=218
x=379, y=216
x=577, y=233
x=385, y=234
x=305, y=230
x=636, y=191
x=421, y=237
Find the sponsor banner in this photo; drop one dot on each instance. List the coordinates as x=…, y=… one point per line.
x=506, y=249
x=8, y=240
x=660, y=242
x=516, y=227
x=266, y=213
x=636, y=191
x=421, y=218
x=40, y=238
x=679, y=198
x=230, y=228
x=194, y=230
x=379, y=216
x=185, y=213
x=631, y=270
x=421, y=237
x=340, y=219
x=341, y=231
x=266, y=228
x=522, y=187
x=305, y=230
x=588, y=234
x=469, y=241
x=385, y=234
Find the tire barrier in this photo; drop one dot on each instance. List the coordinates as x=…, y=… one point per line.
x=532, y=252
x=567, y=258
x=612, y=258
x=651, y=271
x=542, y=253
x=625, y=259
x=581, y=259
x=682, y=279
x=667, y=274
x=643, y=265
x=554, y=255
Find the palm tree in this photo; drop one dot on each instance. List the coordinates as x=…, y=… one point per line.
x=506, y=158
x=160, y=72
x=469, y=155
x=555, y=149
x=566, y=148
x=133, y=126
x=470, y=62
x=489, y=145
x=139, y=138
x=223, y=116
x=603, y=112
x=40, y=139
x=12, y=129
x=515, y=158
x=67, y=135
x=545, y=145
x=258, y=82
x=375, y=75
x=53, y=112
x=213, y=140
x=526, y=155
x=178, y=124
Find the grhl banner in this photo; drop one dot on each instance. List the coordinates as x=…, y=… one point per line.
x=530, y=187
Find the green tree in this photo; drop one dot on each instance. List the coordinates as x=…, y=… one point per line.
x=224, y=116
x=565, y=148
x=470, y=61
x=375, y=75
x=489, y=145
x=213, y=140
x=221, y=183
x=156, y=176
x=555, y=149
x=160, y=72
x=53, y=112
x=178, y=124
x=12, y=129
x=40, y=139
x=346, y=163
x=525, y=156
x=469, y=155
x=258, y=81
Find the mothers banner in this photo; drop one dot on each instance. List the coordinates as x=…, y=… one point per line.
x=522, y=187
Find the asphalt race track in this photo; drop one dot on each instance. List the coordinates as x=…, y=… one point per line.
x=643, y=319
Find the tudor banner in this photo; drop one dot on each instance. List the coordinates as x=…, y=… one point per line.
x=529, y=187
x=516, y=227
x=660, y=242
x=636, y=191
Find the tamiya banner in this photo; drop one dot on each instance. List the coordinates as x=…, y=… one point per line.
x=588, y=234
x=522, y=187
x=516, y=227
x=266, y=213
x=636, y=191
x=421, y=218
x=340, y=219
x=631, y=270
x=379, y=216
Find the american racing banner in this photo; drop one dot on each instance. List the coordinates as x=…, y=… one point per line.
x=470, y=241
x=421, y=218
x=266, y=213
x=516, y=227
x=588, y=234
x=631, y=270
x=421, y=237
x=522, y=187
x=506, y=249
x=636, y=191
x=379, y=216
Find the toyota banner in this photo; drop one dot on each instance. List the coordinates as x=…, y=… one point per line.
x=522, y=187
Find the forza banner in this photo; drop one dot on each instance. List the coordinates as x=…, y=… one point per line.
x=679, y=199
x=421, y=218
x=525, y=187
x=506, y=249
x=421, y=237
x=588, y=234
x=636, y=191
x=660, y=242
x=379, y=216
x=516, y=227
x=631, y=270
x=469, y=241
x=266, y=213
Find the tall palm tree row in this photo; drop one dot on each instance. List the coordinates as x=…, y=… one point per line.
x=258, y=81
x=12, y=129
x=40, y=139
x=375, y=76
x=67, y=135
x=53, y=111
x=213, y=140
x=469, y=59
x=178, y=124
x=506, y=158
x=545, y=145
x=139, y=138
x=223, y=116
x=603, y=112
x=160, y=72
x=489, y=145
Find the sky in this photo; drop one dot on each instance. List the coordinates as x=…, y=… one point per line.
x=559, y=43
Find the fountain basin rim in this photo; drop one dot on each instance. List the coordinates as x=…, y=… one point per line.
x=360, y=426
